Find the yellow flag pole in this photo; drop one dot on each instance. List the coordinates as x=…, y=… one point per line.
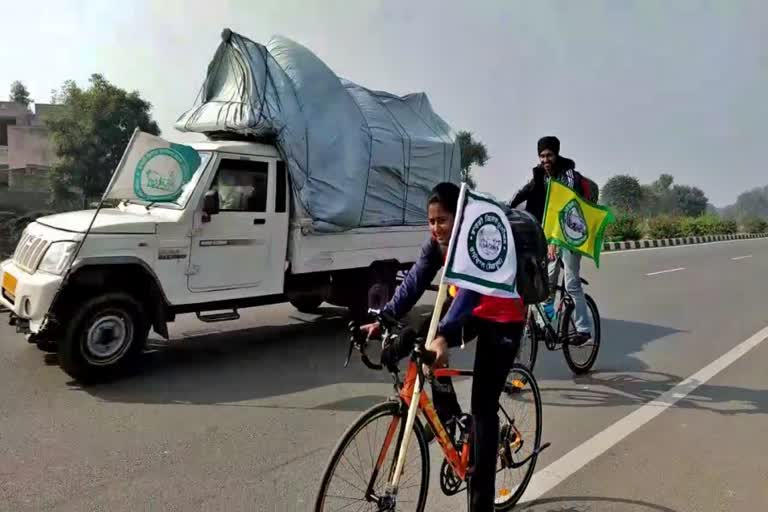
x=439, y=301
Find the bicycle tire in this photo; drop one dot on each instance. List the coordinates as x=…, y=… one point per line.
x=529, y=341
x=530, y=381
x=381, y=410
x=580, y=369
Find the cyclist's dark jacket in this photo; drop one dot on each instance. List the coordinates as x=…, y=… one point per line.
x=534, y=193
x=467, y=303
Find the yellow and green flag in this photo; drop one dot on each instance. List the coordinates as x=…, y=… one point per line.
x=575, y=223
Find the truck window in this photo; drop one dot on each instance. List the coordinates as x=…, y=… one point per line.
x=242, y=185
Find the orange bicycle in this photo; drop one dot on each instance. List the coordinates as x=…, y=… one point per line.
x=372, y=468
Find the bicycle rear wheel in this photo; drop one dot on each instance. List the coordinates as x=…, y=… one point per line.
x=520, y=436
x=365, y=458
x=581, y=358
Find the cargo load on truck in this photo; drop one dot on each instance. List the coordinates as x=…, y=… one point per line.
x=356, y=157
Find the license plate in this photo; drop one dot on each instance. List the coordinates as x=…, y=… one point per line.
x=9, y=284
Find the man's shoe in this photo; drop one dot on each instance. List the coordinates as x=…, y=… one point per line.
x=580, y=339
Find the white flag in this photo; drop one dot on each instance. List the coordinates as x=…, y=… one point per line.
x=482, y=251
x=153, y=169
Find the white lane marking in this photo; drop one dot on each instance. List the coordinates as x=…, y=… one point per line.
x=687, y=246
x=666, y=271
x=546, y=479
x=737, y=258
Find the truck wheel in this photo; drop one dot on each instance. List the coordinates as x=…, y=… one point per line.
x=307, y=303
x=106, y=335
x=380, y=289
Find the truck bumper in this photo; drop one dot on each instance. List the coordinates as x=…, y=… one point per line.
x=27, y=296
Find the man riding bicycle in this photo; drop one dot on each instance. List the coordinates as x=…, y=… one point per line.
x=534, y=193
x=498, y=324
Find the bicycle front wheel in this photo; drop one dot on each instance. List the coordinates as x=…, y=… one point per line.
x=581, y=358
x=529, y=342
x=519, y=436
x=363, y=461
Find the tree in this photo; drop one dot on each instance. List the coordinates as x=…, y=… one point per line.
x=473, y=152
x=690, y=201
x=624, y=193
x=663, y=184
x=90, y=133
x=657, y=197
x=20, y=94
x=750, y=204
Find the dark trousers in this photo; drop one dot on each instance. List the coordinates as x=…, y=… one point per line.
x=497, y=346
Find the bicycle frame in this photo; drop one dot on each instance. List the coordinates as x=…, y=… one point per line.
x=411, y=395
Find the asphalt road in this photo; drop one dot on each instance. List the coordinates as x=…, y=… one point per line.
x=245, y=418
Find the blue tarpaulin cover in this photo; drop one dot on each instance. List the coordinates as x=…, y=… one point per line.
x=356, y=157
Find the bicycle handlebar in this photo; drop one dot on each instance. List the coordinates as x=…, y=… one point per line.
x=404, y=339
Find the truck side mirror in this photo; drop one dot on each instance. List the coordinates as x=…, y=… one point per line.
x=210, y=204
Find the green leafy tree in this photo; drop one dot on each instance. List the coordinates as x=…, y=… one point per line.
x=690, y=201
x=623, y=193
x=90, y=133
x=473, y=152
x=20, y=94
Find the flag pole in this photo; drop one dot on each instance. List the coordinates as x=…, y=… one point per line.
x=417, y=388
x=443, y=288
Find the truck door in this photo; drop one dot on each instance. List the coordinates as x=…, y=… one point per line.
x=244, y=245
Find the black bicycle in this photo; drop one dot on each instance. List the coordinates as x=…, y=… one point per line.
x=560, y=331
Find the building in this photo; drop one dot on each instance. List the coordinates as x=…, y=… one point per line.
x=26, y=152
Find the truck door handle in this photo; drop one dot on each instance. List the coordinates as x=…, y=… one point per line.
x=259, y=222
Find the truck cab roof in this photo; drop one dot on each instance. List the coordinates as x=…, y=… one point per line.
x=238, y=147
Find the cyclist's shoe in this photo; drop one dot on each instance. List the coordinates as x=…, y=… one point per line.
x=549, y=310
x=580, y=338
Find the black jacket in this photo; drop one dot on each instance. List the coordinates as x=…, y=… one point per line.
x=534, y=193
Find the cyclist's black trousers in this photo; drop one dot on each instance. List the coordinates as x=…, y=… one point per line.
x=497, y=346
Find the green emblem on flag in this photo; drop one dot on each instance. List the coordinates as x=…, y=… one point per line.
x=161, y=173
x=487, y=242
x=573, y=224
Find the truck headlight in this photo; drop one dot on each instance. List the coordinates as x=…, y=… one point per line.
x=58, y=257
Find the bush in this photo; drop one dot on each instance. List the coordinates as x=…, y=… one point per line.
x=626, y=227
x=728, y=227
x=703, y=225
x=664, y=226
x=755, y=225
x=691, y=226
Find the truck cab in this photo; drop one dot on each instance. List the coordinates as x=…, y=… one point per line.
x=91, y=287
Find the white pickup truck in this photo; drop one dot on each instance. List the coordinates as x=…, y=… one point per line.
x=208, y=252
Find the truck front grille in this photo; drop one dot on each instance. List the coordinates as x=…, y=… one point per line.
x=29, y=252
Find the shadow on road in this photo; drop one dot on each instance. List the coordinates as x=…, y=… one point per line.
x=590, y=504
x=639, y=388
x=249, y=364
x=620, y=345
x=620, y=377
x=275, y=360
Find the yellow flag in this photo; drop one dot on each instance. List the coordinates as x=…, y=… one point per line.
x=575, y=223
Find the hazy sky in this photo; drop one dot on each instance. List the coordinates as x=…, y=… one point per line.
x=629, y=87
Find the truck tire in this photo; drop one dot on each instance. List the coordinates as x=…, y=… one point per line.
x=105, y=337
x=381, y=287
x=307, y=303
